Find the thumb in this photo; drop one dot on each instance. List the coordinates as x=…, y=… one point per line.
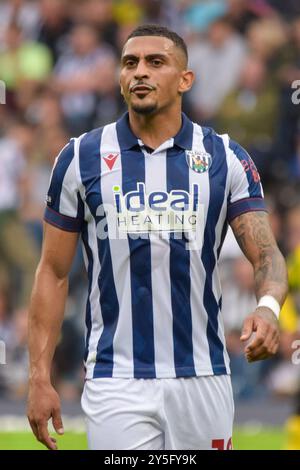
x=57, y=422
x=247, y=328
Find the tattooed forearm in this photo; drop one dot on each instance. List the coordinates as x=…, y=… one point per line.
x=256, y=240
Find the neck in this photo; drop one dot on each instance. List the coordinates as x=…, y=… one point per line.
x=155, y=129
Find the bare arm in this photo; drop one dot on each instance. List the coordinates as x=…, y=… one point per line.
x=45, y=319
x=254, y=235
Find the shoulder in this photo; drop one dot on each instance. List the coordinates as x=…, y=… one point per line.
x=215, y=142
x=209, y=133
x=223, y=147
x=233, y=150
x=93, y=137
x=66, y=155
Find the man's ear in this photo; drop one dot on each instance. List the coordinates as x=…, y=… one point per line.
x=186, y=81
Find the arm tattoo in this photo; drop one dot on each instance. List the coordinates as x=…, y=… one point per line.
x=256, y=240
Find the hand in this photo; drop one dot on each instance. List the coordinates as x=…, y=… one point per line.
x=44, y=403
x=266, y=340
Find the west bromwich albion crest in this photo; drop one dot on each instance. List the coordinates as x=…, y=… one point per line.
x=200, y=162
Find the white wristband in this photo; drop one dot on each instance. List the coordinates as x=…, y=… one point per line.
x=270, y=302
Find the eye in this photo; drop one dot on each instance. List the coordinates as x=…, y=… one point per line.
x=156, y=62
x=130, y=63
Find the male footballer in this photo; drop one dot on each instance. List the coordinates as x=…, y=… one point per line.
x=151, y=197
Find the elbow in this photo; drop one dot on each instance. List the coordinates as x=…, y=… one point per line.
x=50, y=272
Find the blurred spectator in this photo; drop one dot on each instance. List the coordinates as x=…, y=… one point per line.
x=17, y=252
x=288, y=8
x=286, y=137
x=128, y=12
x=285, y=378
x=13, y=331
x=24, y=13
x=249, y=114
x=79, y=75
x=45, y=110
x=217, y=62
x=266, y=37
x=23, y=65
x=5, y=314
x=55, y=25
x=15, y=371
x=48, y=143
x=242, y=13
x=101, y=15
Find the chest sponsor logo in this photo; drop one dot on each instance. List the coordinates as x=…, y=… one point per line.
x=178, y=211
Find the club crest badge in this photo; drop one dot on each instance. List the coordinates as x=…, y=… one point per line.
x=200, y=162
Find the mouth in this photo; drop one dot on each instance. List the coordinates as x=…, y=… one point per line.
x=141, y=89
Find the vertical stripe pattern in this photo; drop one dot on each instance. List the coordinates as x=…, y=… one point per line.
x=178, y=178
x=133, y=172
x=154, y=301
x=217, y=178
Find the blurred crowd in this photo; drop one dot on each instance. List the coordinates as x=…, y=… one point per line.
x=59, y=60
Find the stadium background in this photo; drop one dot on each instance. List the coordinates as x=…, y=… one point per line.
x=59, y=63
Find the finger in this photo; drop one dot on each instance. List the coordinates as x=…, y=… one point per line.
x=57, y=421
x=260, y=337
x=44, y=436
x=270, y=339
x=274, y=345
x=266, y=339
x=34, y=427
x=257, y=358
x=247, y=328
x=267, y=349
x=261, y=352
x=275, y=349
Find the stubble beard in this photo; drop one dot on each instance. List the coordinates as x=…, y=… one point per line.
x=144, y=109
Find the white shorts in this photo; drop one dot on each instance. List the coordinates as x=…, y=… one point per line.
x=159, y=414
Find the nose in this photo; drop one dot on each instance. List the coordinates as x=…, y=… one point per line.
x=141, y=70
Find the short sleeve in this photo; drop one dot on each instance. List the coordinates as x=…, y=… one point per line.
x=64, y=207
x=246, y=192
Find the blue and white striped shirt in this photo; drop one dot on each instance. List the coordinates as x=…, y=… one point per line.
x=154, y=306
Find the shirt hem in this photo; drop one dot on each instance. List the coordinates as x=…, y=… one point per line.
x=93, y=373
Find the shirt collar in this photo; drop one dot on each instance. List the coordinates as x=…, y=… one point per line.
x=128, y=140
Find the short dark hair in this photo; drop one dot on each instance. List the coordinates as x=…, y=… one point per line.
x=158, y=30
